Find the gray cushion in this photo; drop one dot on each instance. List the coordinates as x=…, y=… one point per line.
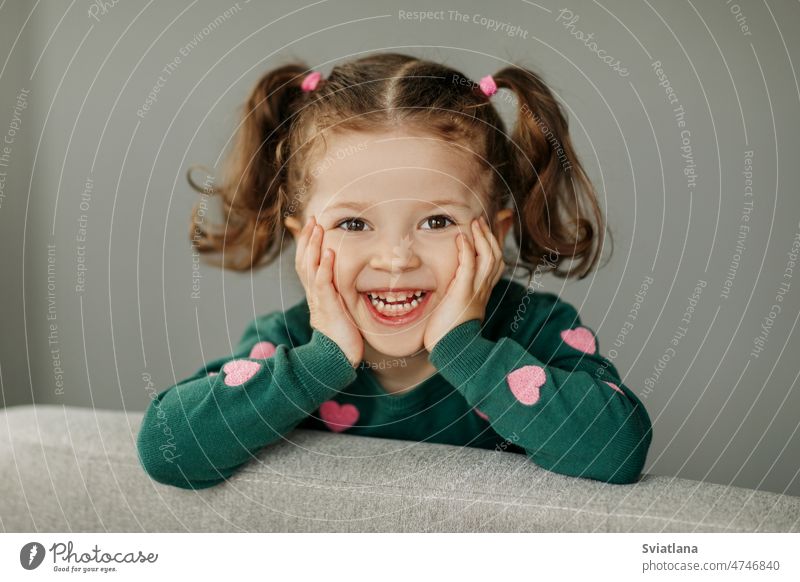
x=74, y=469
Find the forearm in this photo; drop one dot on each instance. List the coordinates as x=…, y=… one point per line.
x=200, y=431
x=568, y=421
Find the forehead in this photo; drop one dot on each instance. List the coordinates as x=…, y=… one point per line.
x=387, y=167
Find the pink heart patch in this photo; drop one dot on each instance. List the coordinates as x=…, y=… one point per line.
x=262, y=350
x=338, y=417
x=525, y=383
x=237, y=372
x=615, y=387
x=580, y=338
x=481, y=414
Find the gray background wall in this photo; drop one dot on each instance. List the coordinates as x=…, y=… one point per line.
x=720, y=413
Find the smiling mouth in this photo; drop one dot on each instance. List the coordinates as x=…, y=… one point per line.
x=396, y=308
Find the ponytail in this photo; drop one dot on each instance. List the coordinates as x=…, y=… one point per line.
x=559, y=216
x=253, y=188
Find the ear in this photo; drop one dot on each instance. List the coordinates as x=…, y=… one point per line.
x=503, y=221
x=294, y=225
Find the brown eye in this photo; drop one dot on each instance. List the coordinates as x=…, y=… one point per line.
x=352, y=222
x=438, y=222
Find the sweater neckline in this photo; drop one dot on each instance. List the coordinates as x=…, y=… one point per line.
x=431, y=387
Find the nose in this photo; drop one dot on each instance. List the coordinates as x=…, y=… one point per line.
x=395, y=253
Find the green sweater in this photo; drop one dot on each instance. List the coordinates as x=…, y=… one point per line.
x=529, y=379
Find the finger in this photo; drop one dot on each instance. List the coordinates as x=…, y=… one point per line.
x=495, y=244
x=302, y=240
x=486, y=260
x=323, y=275
x=312, y=253
x=497, y=251
x=466, y=268
x=324, y=281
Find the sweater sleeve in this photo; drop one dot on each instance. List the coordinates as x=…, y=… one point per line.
x=198, y=432
x=559, y=399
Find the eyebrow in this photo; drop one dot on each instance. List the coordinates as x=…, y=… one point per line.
x=364, y=205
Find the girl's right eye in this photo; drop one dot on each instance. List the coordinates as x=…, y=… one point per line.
x=351, y=222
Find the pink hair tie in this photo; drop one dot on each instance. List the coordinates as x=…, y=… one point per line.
x=311, y=81
x=488, y=86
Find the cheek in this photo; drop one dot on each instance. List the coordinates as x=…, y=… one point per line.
x=346, y=262
x=442, y=258
x=337, y=240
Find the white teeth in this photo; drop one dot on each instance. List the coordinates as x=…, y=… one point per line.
x=395, y=297
x=396, y=308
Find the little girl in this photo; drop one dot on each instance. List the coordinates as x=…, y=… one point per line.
x=398, y=182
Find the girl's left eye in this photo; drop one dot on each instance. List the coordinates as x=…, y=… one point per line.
x=439, y=218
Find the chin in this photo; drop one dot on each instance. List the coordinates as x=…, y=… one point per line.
x=396, y=346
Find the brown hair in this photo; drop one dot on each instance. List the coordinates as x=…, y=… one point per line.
x=535, y=169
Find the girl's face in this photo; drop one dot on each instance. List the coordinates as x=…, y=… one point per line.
x=391, y=205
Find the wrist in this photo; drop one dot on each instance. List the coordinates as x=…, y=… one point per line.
x=460, y=335
x=324, y=365
x=461, y=354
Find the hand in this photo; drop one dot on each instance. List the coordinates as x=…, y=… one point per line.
x=468, y=293
x=329, y=315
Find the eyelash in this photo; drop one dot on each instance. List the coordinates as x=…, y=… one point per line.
x=353, y=218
